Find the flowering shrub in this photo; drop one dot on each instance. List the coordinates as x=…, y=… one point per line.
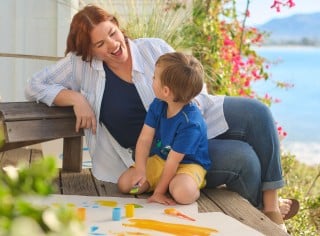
x=224, y=45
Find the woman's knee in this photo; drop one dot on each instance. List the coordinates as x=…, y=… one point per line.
x=228, y=152
x=246, y=108
x=231, y=159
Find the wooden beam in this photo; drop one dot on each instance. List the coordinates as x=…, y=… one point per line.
x=72, y=154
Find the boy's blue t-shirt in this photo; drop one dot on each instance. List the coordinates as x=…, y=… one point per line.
x=185, y=133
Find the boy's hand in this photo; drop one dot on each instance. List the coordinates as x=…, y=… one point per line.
x=162, y=199
x=138, y=178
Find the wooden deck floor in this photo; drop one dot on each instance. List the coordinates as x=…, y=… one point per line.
x=211, y=200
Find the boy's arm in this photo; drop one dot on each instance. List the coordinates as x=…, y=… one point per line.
x=143, y=147
x=169, y=171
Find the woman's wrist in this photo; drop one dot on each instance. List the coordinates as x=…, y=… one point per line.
x=68, y=97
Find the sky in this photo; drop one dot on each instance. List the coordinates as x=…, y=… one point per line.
x=260, y=11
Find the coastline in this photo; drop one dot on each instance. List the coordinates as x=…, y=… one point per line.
x=288, y=47
x=304, y=152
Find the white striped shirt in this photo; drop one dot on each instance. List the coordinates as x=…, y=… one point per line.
x=109, y=159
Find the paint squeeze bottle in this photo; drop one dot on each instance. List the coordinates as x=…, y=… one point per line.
x=129, y=210
x=116, y=214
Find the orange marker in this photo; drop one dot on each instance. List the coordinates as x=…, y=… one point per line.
x=81, y=213
x=174, y=212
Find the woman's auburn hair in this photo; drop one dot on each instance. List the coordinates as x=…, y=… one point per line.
x=83, y=22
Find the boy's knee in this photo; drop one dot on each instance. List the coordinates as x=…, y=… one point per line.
x=185, y=192
x=122, y=185
x=184, y=196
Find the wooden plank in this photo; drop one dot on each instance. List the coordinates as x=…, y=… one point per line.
x=31, y=130
x=72, y=154
x=237, y=207
x=14, y=111
x=10, y=146
x=15, y=157
x=78, y=183
x=109, y=189
x=57, y=182
x=37, y=57
x=36, y=155
x=21, y=156
x=206, y=205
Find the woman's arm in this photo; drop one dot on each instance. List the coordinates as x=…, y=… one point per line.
x=59, y=85
x=46, y=84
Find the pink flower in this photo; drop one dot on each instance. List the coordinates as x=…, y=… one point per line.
x=228, y=42
x=277, y=100
x=290, y=3
x=277, y=4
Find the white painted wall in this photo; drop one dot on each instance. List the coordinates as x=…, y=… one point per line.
x=36, y=27
x=33, y=27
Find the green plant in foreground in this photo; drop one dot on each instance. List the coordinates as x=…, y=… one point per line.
x=302, y=184
x=19, y=216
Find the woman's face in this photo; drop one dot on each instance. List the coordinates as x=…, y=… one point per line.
x=108, y=43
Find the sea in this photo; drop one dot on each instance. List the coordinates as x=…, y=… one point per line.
x=298, y=109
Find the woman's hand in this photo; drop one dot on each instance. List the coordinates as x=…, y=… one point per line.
x=85, y=116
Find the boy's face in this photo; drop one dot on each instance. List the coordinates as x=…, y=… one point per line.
x=156, y=85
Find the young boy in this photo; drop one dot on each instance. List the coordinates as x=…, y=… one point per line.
x=179, y=158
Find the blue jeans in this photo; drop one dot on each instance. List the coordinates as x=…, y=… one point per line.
x=247, y=156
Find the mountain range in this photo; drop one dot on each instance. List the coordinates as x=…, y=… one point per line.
x=296, y=29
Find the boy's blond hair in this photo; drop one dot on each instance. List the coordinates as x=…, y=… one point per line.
x=183, y=74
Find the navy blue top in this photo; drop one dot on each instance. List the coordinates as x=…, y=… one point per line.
x=122, y=111
x=186, y=133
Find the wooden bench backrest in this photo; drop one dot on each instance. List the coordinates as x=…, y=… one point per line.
x=26, y=123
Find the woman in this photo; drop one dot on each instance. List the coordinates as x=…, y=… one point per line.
x=107, y=78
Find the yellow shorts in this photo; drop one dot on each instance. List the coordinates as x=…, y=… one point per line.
x=155, y=165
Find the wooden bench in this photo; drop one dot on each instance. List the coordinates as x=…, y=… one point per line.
x=27, y=123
